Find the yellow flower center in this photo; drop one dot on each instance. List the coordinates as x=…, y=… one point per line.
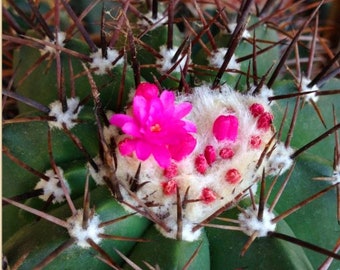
x=155, y=128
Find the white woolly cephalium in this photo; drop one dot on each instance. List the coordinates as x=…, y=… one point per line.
x=216, y=172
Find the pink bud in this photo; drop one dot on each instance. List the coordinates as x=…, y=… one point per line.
x=147, y=90
x=207, y=195
x=210, y=154
x=201, y=164
x=226, y=128
x=169, y=187
x=171, y=171
x=226, y=153
x=255, y=141
x=233, y=176
x=256, y=109
x=265, y=120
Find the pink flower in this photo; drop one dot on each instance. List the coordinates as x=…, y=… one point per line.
x=156, y=126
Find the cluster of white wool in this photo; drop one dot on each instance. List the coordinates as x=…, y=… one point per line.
x=245, y=33
x=110, y=131
x=98, y=176
x=102, y=64
x=80, y=234
x=280, y=159
x=217, y=58
x=59, y=40
x=311, y=97
x=250, y=223
x=166, y=63
x=207, y=106
x=264, y=93
x=336, y=175
x=68, y=117
x=53, y=187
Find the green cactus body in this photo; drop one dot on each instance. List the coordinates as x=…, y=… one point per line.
x=181, y=169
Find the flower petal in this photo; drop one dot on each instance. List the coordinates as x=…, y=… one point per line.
x=167, y=98
x=184, y=148
x=189, y=126
x=131, y=128
x=140, y=109
x=143, y=150
x=120, y=119
x=182, y=109
x=162, y=156
x=126, y=146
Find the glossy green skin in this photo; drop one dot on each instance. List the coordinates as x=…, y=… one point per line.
x=218, y=249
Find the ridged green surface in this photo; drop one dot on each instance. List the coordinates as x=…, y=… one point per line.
x=42, y=237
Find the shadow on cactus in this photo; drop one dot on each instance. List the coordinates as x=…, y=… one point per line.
x=170, y=135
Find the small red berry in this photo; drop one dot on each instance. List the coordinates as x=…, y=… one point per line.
x=255, y=141
x=256, y=109
x=208, y=196
x=169, y=187
x=171, y=171
x=201, y=164
x=210, y=154
x=226, y=153
x=265, y=120
x=233, y=176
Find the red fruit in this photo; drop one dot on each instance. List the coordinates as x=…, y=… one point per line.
x=169, y=187
x=256, y=109
x=255, y=141
x=226, y=153
x=233, y=176
x=265, y=120
x=171, y=171
x=201, y=164
x=208, y=196
x=210, y=154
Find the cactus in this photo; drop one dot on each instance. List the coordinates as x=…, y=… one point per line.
x=170, y=135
